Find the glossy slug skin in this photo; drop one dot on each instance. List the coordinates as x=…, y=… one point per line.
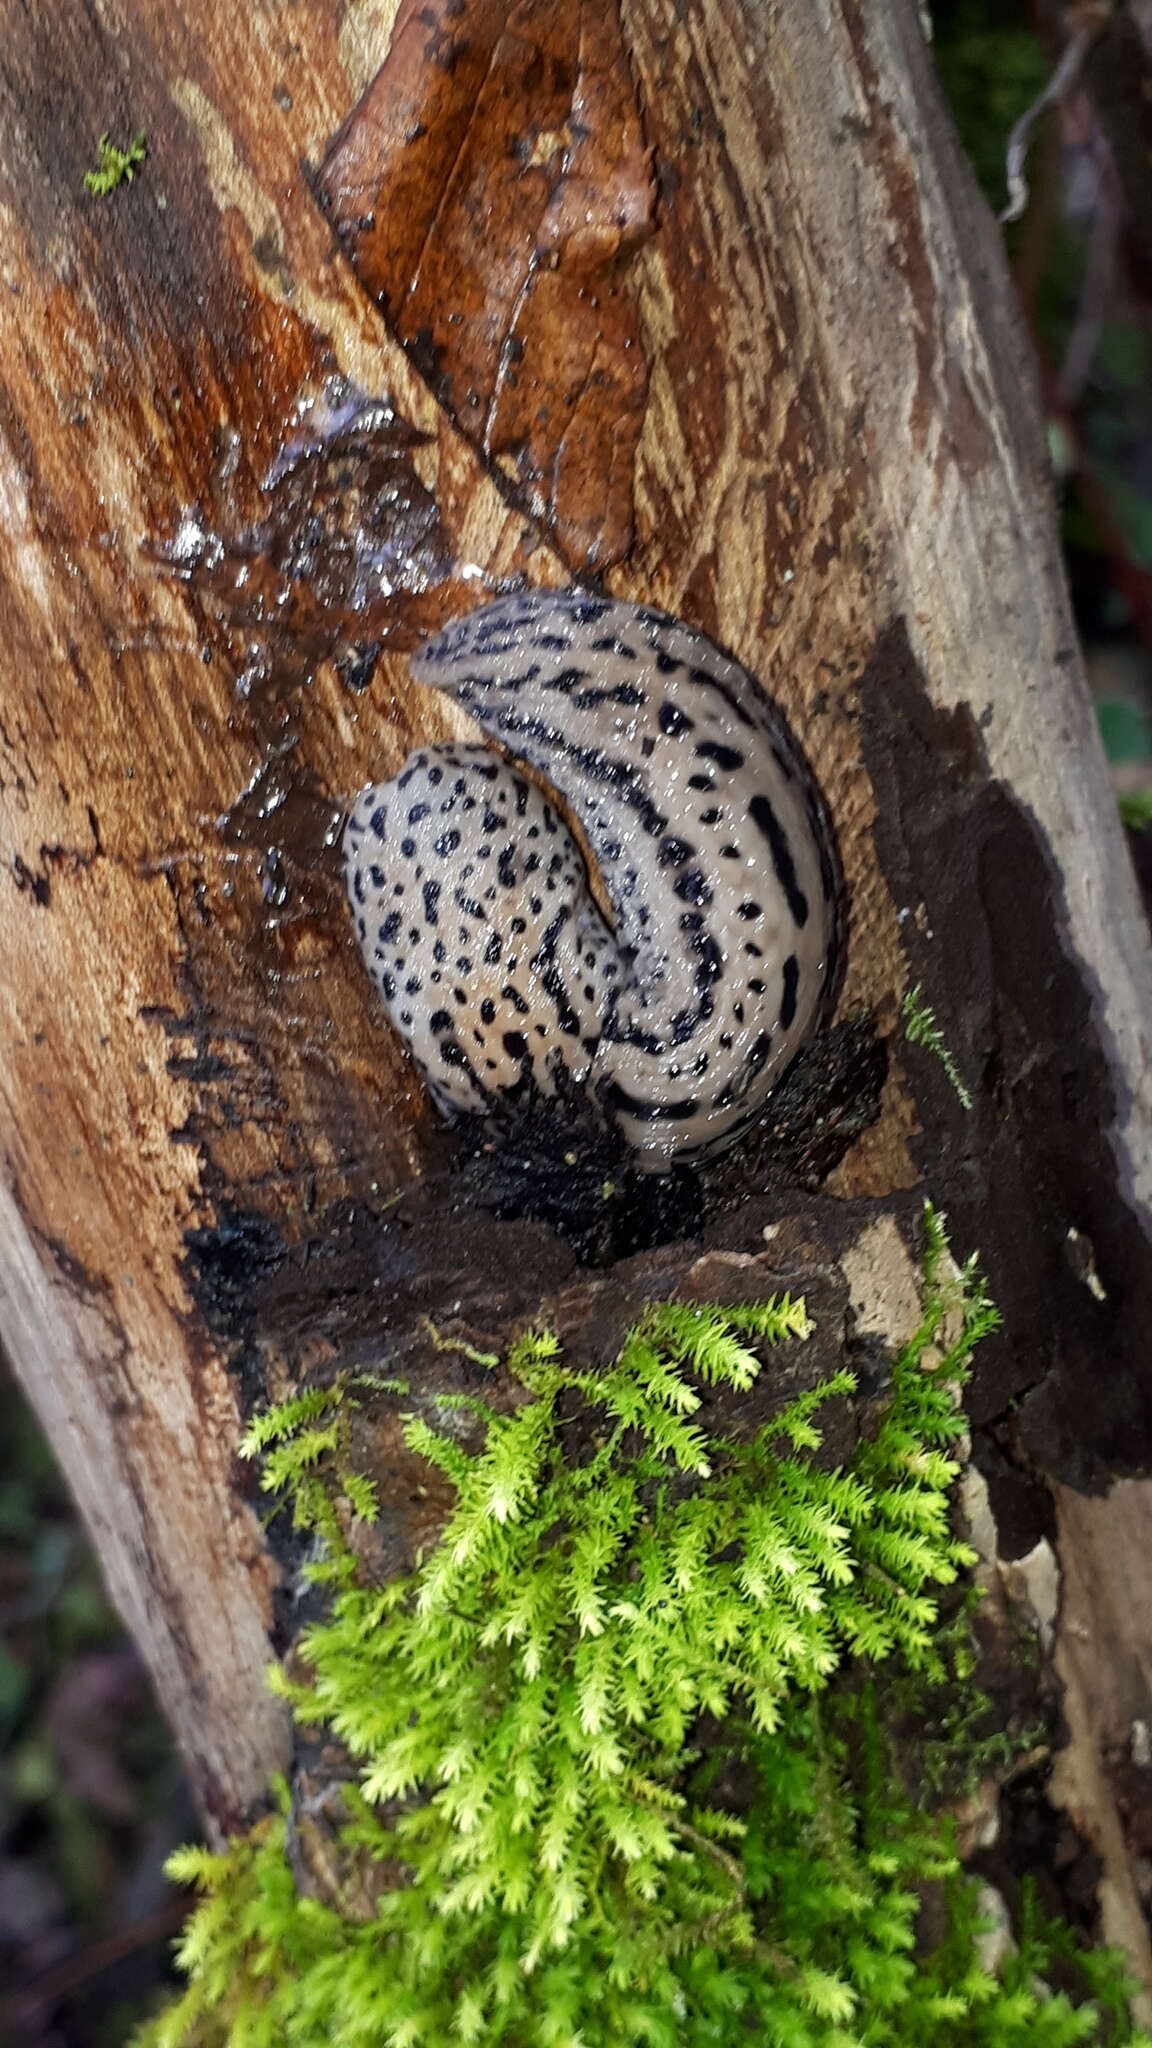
x=473, y=913
x=712, y=840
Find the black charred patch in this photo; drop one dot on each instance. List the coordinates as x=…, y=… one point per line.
x=226, y=1266
x=1033, y=1160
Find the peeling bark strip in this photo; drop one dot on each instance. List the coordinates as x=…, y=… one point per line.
x=490, y=190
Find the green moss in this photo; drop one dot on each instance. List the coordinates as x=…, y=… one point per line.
x=620, y=1766
x=116, y=166
x=921, y=1028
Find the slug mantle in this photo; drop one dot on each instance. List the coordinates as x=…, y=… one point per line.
x=472, y=903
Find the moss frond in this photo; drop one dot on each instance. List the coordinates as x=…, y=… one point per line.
x=115, y=166
x=576, y=1862
x=921, y=1028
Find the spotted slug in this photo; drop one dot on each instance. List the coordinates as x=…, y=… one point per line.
x=472, y=903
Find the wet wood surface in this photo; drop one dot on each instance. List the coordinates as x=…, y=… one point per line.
x=837, y=470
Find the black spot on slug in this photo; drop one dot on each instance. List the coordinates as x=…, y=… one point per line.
x=762, y=814
x=692, y=887
x=673, y=721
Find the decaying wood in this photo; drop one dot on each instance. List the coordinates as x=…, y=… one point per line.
x=490, y=190
x=839, y=474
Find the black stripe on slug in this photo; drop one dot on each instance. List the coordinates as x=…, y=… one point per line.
x=762, y=815
x=452, y=1054
x=564, y=681
x=618, y=1098
x=705, y=680
x=791, y=984
x=588, y=611
x=555, y=986
x=758, y=1052
x=625, y=694
x=727, y=758
x=619, y=776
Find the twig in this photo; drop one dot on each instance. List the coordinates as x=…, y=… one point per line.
x=1065, y=75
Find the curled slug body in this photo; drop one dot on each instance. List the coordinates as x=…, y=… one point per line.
x=475, y=920
x=714, y=847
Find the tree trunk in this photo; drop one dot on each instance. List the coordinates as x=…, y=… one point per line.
x=836, y=469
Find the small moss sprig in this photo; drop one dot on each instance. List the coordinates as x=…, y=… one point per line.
x=116, y=166
x=921, y=1028
x=1135, y=807
x=572, y=1861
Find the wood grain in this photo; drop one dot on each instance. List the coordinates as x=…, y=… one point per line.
x=839, y=475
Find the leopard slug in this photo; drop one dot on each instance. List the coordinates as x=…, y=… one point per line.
x=472, y=903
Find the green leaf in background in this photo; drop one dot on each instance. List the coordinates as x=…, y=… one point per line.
x=1136, y=809
x=1125, y=730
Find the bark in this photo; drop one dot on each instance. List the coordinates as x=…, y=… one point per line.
x=839, y=474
